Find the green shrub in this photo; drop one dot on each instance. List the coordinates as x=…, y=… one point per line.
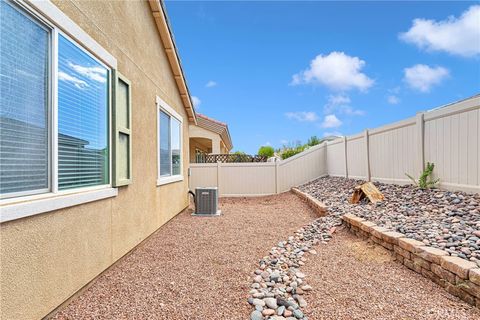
x=290, y=152
x=313, y=141
x=426, y=180
x=266, y=151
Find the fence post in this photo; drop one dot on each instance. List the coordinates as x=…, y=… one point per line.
x=277, y=185
x=367, y=153
x=218, y=177
x=346, y=155
x=420, y=126
x=325, y=158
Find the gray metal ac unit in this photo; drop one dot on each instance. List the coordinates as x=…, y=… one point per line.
x=206, y=201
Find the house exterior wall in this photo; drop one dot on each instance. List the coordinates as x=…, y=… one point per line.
x=198, y=132
x=224, y=149
x=47, y=257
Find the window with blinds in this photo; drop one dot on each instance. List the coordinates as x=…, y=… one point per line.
x=28, y=48
x=82, y=118
x=24, y=86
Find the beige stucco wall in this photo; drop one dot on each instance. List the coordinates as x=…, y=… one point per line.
x=198, y=132
x=48, y=257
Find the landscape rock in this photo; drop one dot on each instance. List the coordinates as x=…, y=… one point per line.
x=439, y=224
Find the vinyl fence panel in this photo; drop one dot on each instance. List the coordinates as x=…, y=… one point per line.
x=336, y=158
x=392, y=152
x=452, y=142
x=357, y=157
x=301, y=168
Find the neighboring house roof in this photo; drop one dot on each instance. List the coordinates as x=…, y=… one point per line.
x=166, y=35
x=216, y=126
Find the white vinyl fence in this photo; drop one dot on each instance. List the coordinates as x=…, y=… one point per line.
x=260, y=178
x=448, y=136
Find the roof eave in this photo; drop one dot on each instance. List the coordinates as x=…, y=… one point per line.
x=166, y=35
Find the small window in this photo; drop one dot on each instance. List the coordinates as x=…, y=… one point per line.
x=169, y=143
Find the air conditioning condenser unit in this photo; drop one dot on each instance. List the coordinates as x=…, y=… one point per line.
x=206, y=202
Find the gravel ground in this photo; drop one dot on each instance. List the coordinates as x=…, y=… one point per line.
x=201, y=268
x=193, y=268
x=356, y=280
x=441, y=219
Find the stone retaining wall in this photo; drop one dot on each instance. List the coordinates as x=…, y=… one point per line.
x=458, y=276
x=312, y=202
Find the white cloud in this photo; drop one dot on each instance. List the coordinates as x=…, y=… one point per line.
x=336, y=71
x=302, y=116
x=196, y=102
x=267, y=144
x=458, y=36
x=349, y=111
x=341, y=104
x=62, y=76
x=94, y=73
x=210, y=84
x=284, y=142
x=331, y=121
x=422, y=77
x=339, y=99
x=393, y=99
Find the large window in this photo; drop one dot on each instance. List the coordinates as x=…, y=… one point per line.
x=169, y=143
x=54, y=109
x=24, y=100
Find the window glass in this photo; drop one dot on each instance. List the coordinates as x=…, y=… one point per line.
x=82, y=118
x=165, y=145
x=176, y=156
x=24, y=126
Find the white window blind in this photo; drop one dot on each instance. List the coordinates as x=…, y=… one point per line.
x=24, y=86
x=83, y=151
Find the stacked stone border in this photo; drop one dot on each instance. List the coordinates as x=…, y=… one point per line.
x=458, y=276
x=312, y=202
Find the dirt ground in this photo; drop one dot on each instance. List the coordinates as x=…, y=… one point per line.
x=354, y=279
x=199, y=268
x=194, y=268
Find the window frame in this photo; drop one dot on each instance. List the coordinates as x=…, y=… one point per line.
x=48, y=16
x=161, y=105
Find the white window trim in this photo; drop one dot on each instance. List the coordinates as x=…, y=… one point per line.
x=23, y=206
x=60, y=20
x=161, y=105
x=36, y=204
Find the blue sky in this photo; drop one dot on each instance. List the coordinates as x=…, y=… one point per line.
x=280, y=72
